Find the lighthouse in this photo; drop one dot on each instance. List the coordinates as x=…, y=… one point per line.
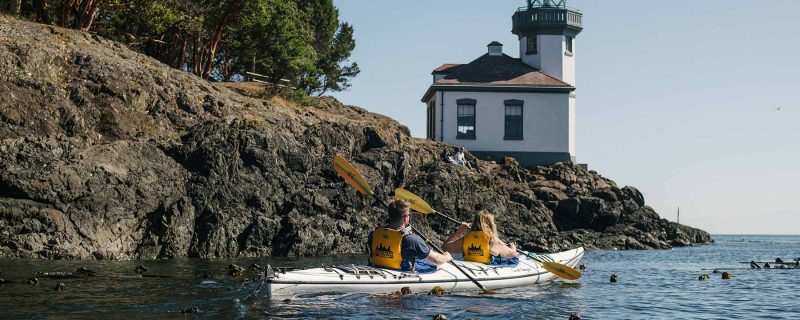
x=547, y=30
x=521, y=107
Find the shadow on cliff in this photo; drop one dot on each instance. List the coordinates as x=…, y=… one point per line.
x=108, y=154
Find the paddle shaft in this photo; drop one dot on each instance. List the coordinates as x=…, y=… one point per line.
x=439, y=250
x=354, y=178
x=375, y=196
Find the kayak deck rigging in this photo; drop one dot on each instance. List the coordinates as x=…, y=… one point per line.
x=368, y=279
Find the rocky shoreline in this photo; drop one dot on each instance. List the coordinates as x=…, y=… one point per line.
x=108, y=154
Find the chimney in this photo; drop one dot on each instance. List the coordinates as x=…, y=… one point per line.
x=495, y=48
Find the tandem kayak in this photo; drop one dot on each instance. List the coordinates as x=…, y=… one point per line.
x=365, y=279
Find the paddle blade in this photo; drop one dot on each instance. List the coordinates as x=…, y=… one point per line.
x=489, y=291
x=416, y=203
x=351, y=175
x=561, y=270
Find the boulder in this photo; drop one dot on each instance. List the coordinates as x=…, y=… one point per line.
x=106, y=153
x=633, y=194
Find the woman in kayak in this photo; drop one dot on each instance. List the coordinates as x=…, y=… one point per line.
x=482, y=242
x=396, y=247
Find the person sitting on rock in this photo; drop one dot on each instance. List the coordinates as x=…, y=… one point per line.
x=448, y=157
x=482, y=243
x=461, y=158
x=397, y=247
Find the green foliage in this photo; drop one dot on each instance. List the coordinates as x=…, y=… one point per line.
x=299, y=40
x=275, y=34
x=333, y=43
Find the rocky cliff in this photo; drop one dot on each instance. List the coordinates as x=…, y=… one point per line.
x=108, y=154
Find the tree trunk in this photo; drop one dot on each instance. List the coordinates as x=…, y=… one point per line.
x=92, y=14
x=182, y=55
x=42, y=11
x=217, y=35
x=16, y=7
x=66, y=9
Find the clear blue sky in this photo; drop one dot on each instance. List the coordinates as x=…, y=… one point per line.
x=677, y=98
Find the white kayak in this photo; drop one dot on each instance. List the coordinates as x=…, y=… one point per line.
x=364, y=279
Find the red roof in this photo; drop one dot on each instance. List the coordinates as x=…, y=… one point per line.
x=499, y=70
x=447, y=67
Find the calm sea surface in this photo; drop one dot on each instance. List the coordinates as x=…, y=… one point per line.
x=651, y=285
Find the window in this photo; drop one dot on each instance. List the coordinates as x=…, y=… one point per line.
x=532, y=45
x=513, y=120
x=466, y=119
x=569, y=44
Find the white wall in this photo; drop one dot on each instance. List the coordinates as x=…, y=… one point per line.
x=548, y=122
x=550, y=57
x=572, y=126
x=529, y=59
x=568, y=64
x=551, y=54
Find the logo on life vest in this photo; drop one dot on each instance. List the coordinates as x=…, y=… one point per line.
x=475, y=251
x=384, y=252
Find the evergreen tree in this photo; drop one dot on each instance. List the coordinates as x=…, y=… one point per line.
x=299, y=40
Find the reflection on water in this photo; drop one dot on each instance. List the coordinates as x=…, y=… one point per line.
x=651, y=284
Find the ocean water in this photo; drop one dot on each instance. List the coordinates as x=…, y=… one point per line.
x=651, y=284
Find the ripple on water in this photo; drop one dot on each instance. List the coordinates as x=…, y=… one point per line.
x=651, y=285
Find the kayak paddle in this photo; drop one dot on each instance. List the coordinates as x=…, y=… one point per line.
x=354, y=178
x=419, y=205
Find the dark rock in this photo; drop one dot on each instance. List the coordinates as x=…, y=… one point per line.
x=256, y=267
x=60, y=287
x=606, y=194
x=140, y=269
x=83, y=271
x=634, y=194
x=235, y=270
x=549, y=194
x=161, y=164
x=190, y=310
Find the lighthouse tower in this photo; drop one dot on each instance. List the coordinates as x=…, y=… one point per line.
x=500, y=106
x=547, y=31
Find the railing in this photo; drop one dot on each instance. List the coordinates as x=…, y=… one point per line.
x=255, y=77
x=547, y=16
x=525, y=8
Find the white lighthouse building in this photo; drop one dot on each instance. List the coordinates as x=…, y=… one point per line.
x=498, y=106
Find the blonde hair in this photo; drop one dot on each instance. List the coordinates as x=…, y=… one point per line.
x=484, y=221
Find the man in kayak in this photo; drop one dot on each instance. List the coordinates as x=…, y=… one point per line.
x=396, y=247
x=481, y=243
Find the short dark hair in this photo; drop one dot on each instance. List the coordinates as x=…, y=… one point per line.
x=397, y=209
